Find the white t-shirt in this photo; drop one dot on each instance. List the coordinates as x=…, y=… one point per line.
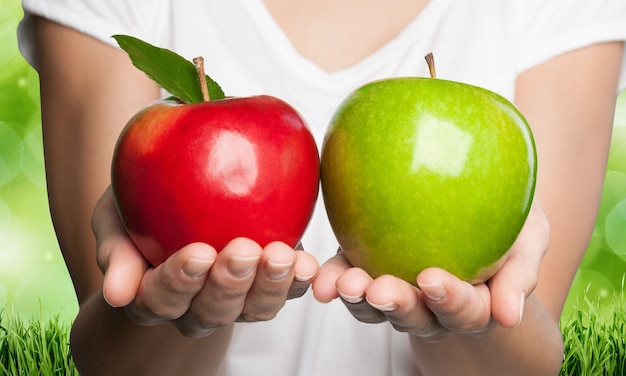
x=483, y=42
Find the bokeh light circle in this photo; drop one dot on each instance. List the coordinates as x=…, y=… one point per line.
x=51, y=289
x=12, y=155
x=590, y=284
x=615, y=229
x=5, y=221
x=33, y=158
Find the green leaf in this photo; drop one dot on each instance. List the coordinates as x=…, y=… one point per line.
x=169, y=70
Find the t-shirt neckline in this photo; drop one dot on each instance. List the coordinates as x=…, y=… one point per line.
x=276, y=37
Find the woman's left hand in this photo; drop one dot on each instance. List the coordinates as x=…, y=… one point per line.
x=442, y=304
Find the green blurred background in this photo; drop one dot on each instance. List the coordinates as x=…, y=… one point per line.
x=33, y=277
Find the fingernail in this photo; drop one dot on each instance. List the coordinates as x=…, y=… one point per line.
x=304, y=278
x=196, y=268
x=305, y=275
x=277, y=271
x=521, y=308
x=241, y=266
x=350, y=298
x=434, y=291
x=387, y=307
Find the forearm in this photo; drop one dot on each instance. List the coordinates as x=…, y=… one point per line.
x=104, y=341
x=535, y=347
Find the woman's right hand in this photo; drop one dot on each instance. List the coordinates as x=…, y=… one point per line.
x=197, y=289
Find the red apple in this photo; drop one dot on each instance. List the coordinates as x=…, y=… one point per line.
x=213, y=171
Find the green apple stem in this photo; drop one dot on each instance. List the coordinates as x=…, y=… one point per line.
x=199, y=63
x=430, y=60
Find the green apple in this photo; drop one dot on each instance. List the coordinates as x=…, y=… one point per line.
x=422, y=172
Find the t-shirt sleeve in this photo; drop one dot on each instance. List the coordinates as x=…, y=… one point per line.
x=554, y=27
x=96, y=18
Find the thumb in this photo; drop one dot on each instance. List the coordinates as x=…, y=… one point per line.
x=123, y=276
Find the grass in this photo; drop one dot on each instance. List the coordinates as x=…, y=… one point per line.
x=594, y=335
x=34, y=347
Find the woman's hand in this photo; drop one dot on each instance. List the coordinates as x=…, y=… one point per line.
x=442, y=304
x=197, y=288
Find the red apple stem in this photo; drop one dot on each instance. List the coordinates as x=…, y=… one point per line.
x=199, y=63
x=430, y=60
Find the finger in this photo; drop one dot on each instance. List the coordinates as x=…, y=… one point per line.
x=325, y=285
x=510, y=287
x=166, y=292
x=271, y=284
x=108, y=230
x=125, y=268
x=116, y=254
x=457, y=305
x=351, y=287
x=305, y=270
x=403, y=306
x=223, y=295
x=517, y=278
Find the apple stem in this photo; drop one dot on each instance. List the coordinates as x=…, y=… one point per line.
x=430, y=60
x=199, y=63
